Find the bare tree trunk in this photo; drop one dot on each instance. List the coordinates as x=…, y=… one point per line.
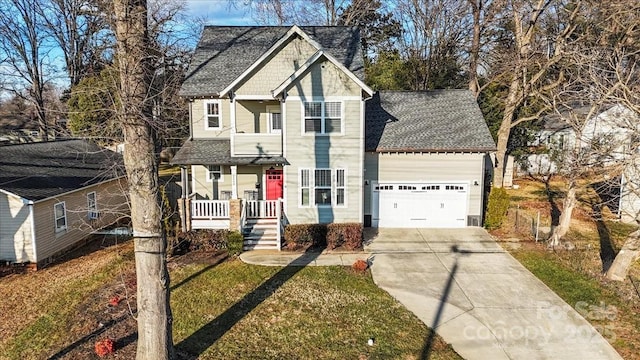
x=629, y=253
x=154, y=313
x=570, y=202
x=511, y=103
x=476, y=9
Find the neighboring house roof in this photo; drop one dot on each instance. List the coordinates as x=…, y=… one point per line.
x=224, y=53
x=218, y=152
x=439, y=120
x=41, y=170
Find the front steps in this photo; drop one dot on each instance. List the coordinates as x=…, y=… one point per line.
x=260, y=234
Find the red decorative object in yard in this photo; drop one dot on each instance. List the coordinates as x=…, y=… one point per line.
x=114, y=301
x=360, y=265
x=104, y=347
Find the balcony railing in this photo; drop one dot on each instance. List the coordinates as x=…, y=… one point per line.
x=256, y=144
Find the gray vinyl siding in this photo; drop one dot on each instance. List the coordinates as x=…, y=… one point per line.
x=282, y=65
x=324, y=79
x=197, y=120
x=112, y=204
x=15, y=230
x=334, y=151
x=426, y=167
x=251, y=116
x=209, y=190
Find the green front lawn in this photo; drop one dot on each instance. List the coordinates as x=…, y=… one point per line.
x=226, y=311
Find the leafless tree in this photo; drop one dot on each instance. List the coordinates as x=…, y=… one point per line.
x=79, y=29
x=154, y=313
x=599, y=100
x=536, y=34
x=26, y=50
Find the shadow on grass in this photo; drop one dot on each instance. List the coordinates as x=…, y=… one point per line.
x=207, y=335
x=71, y=347
x=200, y=272
x=607, y=252
x=551, y=197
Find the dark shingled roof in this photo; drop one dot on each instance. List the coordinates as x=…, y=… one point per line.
x=439, y=120
x=36, y=171
x=218, y=152
x=225, y=52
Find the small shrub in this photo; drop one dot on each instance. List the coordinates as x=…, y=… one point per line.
x=360, y=265
x=104, y=347
x=303, y=236
x=347, y=235
x=206, y=240
x=496, y=208
x=235, y=241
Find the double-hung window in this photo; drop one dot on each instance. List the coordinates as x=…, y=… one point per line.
x=92, y=206
x=322, y=187
x=323, y=117
x=214, y=173
x=212, y=115
x=275, y=122
x=60, y=216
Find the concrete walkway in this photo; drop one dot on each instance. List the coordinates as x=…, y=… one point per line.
x=280, y=258
x=479, y=298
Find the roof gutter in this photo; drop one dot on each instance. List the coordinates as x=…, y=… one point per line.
x=407, y=150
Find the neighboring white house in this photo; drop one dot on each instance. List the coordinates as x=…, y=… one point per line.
x=284, y=130
x=618, y=128
x=53, y=194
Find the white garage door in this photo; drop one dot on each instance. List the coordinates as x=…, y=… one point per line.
x=431, y=205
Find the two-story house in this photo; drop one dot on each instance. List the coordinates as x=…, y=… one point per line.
x=278, y=118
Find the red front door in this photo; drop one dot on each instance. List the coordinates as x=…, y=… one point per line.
x=274, y=184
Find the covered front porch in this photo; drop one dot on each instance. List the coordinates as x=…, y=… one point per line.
x=235, y=193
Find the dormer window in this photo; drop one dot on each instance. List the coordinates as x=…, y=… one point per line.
x=212, y=115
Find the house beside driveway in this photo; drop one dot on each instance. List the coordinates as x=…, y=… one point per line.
x=53, y=194
x=616, y=129
x=284, y=130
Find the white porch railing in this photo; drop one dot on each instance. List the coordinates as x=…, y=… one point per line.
x=209, y=209
x=263, y=209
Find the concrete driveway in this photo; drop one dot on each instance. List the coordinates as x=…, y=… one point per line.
x=479, y=298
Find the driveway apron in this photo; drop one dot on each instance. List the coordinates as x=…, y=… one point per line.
x=479, y=298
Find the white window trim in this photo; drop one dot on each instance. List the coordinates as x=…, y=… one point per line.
x=208, y=173
x=343, y=187
x=312, y=188
x=300, y=187
x=64, y=216
x=92, y=211
x=330, y=187
x=206, y=114
x=271, y=109
x=322, y=118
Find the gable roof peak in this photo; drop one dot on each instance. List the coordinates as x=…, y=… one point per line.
x=225, y=53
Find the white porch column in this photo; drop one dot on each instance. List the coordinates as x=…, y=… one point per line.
x=234, y=181
x=232, y=118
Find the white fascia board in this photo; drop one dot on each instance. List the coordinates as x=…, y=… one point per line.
x=294, y=30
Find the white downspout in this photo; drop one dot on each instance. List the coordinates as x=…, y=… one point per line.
x=33, y=231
